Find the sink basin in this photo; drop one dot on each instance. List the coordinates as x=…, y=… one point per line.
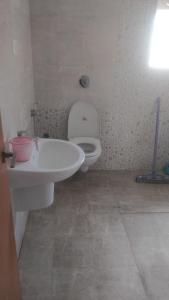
x=32, y=182
x=55, y=161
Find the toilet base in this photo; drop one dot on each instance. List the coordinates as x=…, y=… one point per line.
x=89, y=161
x=84, y=168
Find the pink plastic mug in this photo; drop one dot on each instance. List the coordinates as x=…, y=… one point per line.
x=22, y=147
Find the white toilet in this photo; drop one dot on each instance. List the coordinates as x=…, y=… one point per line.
x=83, y=131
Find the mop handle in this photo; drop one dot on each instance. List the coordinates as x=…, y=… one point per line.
x=154, y=164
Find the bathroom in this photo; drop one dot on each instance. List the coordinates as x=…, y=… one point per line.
x=96, y=233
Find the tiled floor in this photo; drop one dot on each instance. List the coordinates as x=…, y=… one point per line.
x=104, y=238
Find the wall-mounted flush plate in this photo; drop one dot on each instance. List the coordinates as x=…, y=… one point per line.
x=84, y=81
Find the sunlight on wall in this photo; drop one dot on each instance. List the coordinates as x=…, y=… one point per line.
x=159, y=47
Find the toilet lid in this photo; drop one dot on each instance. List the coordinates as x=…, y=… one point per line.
x=82, y=121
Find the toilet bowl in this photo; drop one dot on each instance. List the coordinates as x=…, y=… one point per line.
x=83, y=131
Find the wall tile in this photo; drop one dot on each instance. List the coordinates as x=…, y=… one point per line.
x=109, y=41
x=16, y=76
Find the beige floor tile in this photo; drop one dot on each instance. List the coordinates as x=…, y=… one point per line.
x=104, y=237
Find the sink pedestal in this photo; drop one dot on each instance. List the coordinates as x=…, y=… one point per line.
x=34, y=197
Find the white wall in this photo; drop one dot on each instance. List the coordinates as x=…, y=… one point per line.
x=16, y=80
x=108, y=41
x=16, y=77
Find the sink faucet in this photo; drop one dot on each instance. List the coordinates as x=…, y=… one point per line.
x=10, y=156
x=21, y=133
x=12, y=160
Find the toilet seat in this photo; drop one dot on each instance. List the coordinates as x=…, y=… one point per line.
x=91, y=145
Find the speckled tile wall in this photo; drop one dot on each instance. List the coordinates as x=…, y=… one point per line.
x=108, y=41
x=16, y=74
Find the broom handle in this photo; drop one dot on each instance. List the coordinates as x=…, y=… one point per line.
x=154, y=164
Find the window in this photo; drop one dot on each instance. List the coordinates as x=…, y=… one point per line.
x=159, y=47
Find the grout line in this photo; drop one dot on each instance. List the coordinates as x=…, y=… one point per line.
x=137, y=266
x=143, y=213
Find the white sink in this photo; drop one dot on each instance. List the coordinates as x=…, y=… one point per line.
x=32, y=182
x=55, y=161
